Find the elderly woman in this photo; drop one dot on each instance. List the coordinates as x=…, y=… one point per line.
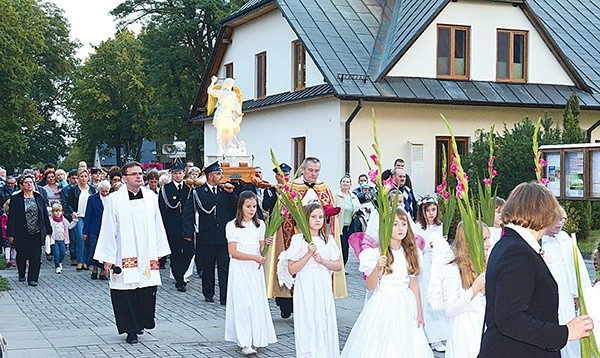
x=77, y=202
x=91, y=228
x=27, y=227
x=521, y=295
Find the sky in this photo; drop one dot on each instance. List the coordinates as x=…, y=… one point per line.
x=90, y=21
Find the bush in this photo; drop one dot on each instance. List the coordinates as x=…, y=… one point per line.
x=579, y=214
x=596, y=215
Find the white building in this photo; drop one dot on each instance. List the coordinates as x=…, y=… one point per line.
x=311, y=71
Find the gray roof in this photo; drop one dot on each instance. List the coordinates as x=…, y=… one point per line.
x=363, y=37
x=286, y=97
x=354, y=43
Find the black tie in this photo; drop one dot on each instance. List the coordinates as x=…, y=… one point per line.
x=215, y=190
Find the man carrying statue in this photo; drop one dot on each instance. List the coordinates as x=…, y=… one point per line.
x=309, y=188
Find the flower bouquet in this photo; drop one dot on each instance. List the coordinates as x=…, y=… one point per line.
x=487, y=199
x=385, y=208
x=273, y=223
x=470, y=216
x=445, y=196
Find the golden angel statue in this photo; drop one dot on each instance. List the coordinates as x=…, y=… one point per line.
x=228, y=115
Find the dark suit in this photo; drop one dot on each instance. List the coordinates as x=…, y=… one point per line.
x=521, y=314
x=214, y=212
x=91, y=226
x=268, y=194
x=171, y=202
x=28, y=246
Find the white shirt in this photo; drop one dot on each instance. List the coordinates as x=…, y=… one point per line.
x=526, y=235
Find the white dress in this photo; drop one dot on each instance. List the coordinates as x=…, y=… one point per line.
x=436, y=321
x=247, y=315
x=466, y=315
x=558, y=255
x=315, y=321
x=387, y=326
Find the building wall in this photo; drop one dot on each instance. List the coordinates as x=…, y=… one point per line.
x=484, y=19
x=253, y=38
x=399, y=126
x=317, y=120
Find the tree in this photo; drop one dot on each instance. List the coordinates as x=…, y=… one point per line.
x=36, y=61
x=111, y=98
x=178, y=39
x=579, y=212
x=572, y=132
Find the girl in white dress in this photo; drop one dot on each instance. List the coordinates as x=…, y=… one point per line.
x=315, y=322
x=429, y=226
x=557, y=248
x=247, y=316
x=463, y=298
x=391, y=324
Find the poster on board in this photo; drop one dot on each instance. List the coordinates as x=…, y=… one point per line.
x=574, y=174
x=595, y=174
x=553, y=172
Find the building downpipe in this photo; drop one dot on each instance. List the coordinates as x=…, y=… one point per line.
x=357, y=109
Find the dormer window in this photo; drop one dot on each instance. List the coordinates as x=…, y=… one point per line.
x=511, y=64
x=453, y=52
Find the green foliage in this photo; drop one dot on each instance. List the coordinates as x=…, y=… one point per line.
x=579, y=214
x=177, y=41
x=514, y=159
x=572, y=132
x=595, y=215
x=4, y=284
x=36, y=60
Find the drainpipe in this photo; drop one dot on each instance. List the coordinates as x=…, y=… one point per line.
x=357, y=109
x=591, y=129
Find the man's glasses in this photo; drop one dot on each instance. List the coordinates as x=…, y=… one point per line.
x=136, y=174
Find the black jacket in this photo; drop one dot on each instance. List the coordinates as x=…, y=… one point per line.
x=521, y=311
x=171, y=202
x=73, y=199
x=17, y=224
x=214, y=212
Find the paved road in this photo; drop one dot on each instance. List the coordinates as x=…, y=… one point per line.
x=69, y=315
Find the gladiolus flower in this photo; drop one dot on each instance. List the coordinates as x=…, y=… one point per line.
x=439, y=189
x=284, y=211
x=373, y=174
x=374, y=158
x=293, y=194
x=373, y=146
x=460, y=187
x=286, y=188
x=389, y=183
x=542, y=162
x=459, y=194
x=466, y=177
x=446, y=195
x=487, y=181
x=453, y=167
x=494, y=173
x=544, y=181
x=445, y=182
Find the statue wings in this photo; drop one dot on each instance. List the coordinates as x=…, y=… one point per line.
x=212, y=101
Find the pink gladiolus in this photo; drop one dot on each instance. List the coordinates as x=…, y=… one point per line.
x=373, y=146
x=286, y=188
x=536, y=169
x=542, y=162
x=439, y=189
x=466, y=177
x=444, y=183
x=459, y=194
x=453, y=167
x=487, y=181
x=494, y=173
x=446, y=195
x=293, y=194
x=373, y=174
x=389, y=183
x=374, y=158
x=544, y=181
x=460, y=187
x=284, y=211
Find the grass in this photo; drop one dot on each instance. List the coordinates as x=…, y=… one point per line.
x=4, y=284
x=588, y=246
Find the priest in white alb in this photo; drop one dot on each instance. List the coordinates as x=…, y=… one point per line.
x=132, y=239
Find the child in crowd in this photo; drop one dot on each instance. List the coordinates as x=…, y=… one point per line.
x=60, y=234
x=315, y=321
x=9, y=250
x=61, y=178
x=496, y=231
x=391, y=324
x=429, y=226
x=247, y=316
x=463, y=297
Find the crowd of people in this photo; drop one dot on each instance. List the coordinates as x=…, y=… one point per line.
x=423, y=295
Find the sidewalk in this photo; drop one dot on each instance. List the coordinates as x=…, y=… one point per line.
x=69, y=315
